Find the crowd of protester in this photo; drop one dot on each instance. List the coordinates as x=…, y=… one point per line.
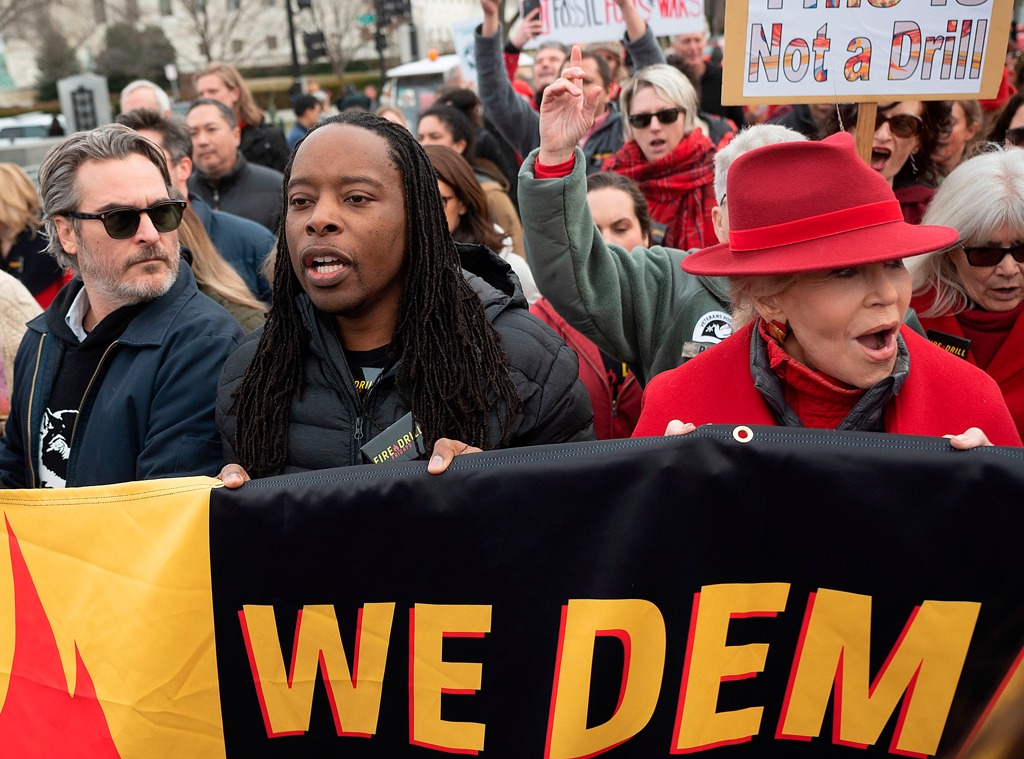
x=598, y=247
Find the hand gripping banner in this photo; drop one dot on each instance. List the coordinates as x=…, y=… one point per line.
x=737, y=592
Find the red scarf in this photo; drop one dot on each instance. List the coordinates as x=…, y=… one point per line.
x=987, y=331
x=821, y=401
x=679, y=188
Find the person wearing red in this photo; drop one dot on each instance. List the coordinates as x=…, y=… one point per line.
x=819, y=287
x=970, y=299
x=668, y=156
x=620, y=214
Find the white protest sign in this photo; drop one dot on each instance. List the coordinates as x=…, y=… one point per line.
x=799, y=51
x=582, y=21
x=463, y=35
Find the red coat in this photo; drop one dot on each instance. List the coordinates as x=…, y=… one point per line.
x=942, y=395
x=612, y=419
x=1006, y=368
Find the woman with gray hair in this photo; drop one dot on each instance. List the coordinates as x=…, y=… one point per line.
x=668, y=156
x=970, y=299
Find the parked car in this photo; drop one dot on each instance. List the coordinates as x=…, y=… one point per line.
x=28, y=127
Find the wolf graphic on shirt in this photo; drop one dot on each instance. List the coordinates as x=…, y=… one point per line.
x=55, y=446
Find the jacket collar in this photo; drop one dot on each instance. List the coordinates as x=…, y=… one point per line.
x=229, y=179
x=150, y=325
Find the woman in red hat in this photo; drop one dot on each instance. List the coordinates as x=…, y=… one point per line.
x=971, y=298
x=820, y=291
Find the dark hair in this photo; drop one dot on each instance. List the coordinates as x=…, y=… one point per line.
x=224, y=110
x=174, y=134
x=997, y=132
x=465, y=100
x=936, y=121
x=304, y=103
x=603, y=69
x=458, y=124
x=475, y=225
x=452, y=370
x=609, y=180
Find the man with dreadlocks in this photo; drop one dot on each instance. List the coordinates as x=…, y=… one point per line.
x=377, y=314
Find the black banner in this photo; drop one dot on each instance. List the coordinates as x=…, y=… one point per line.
x=789, y=592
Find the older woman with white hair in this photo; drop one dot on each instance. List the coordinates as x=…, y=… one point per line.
x=668, y=155
x=970, y=299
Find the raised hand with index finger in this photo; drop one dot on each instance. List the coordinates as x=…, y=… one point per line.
x=566, y=112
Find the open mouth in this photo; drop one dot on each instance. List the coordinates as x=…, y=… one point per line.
x=326, y=268
x=879, y=156
x=880, y=343
x=1006, y=293
x=327, y=264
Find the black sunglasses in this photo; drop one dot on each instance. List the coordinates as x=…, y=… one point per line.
x=1015, y=136
x=901, y=125
x=122, y=223
x=643, y=120
x=989, y=256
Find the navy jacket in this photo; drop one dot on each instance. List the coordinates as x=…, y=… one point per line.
x=242, y=243
x=153, y=413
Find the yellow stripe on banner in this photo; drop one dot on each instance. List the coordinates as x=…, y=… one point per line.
x=122, y=573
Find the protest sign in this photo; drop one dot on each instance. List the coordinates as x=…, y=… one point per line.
x=582, y=21
x=801, y=592
x=802, y=51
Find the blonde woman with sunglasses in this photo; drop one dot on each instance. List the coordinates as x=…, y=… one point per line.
x=668, y=156
x=970, y=299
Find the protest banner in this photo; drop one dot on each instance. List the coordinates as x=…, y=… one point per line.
x=804, y=51
x=581, y=21
x=786, y=592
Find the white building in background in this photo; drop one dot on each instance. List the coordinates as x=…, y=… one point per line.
x=255, y=32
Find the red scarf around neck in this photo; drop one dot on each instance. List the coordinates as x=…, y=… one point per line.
x=679, y=188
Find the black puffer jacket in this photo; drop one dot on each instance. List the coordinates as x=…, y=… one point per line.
x=248, y=190
x=265, y=144
x=328, y=424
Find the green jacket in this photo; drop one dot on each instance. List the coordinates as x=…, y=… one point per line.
x=637, y=306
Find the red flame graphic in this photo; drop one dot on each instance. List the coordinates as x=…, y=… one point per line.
x=40, y=717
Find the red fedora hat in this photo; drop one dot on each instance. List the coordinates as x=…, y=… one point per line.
x=805, y=206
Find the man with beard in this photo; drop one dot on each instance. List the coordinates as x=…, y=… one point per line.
x=116, y=380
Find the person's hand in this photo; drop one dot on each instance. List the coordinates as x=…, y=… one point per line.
x=490, y=26
x=635, y=24
x=972, y=438
x=233, y=476
x=527, y=29
x=675, y=427
x=444, y=451
x=566, y=112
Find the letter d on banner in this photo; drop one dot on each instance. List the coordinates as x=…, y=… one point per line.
x=641, y=628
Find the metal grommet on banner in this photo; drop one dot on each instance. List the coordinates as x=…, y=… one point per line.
x=742, y=434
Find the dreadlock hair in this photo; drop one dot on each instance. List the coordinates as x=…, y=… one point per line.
x=452, y=370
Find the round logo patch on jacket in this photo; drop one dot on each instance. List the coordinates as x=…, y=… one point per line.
x=710, y=329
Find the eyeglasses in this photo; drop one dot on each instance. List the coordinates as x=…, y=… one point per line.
x=901, y=125
x=989, y=256
x=122, y=223
x=1015, y=136
x=643, y=120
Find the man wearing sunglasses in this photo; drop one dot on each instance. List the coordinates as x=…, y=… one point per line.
x=116, y=380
